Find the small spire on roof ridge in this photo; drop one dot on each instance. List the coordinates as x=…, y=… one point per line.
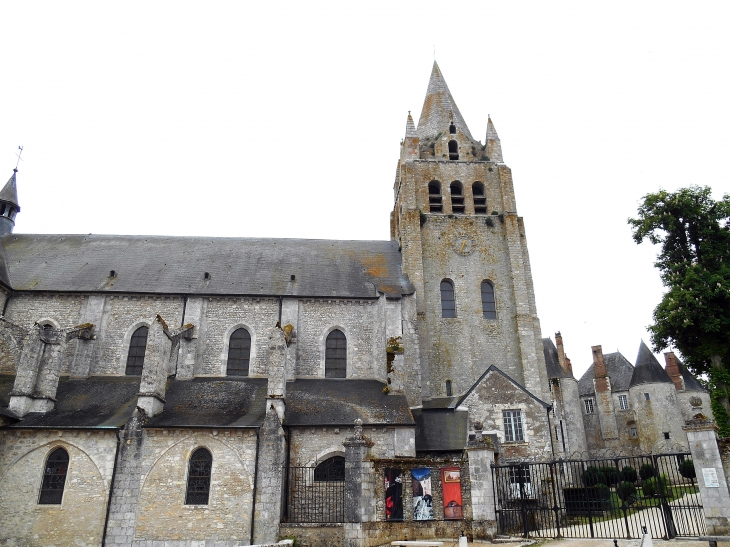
x=494, y=145
x=410, y=126
x=9, y=193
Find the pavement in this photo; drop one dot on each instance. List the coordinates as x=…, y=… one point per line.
x=586, y=543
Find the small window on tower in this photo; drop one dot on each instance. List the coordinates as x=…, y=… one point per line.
x=453, y=150
x=666, y=434
x=647, y=397
x=448, y=300
x=457, y=198
x=489, y=306
x=633, y=431
x=434, y=197
x=452, y=129
x=448, y=388
x=480, y=198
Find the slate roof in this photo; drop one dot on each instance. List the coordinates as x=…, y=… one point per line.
x=96, y=402
x=497, y=370
x=440, y=430
x=552, y=364
x=619, y=370
x=690, y=382
x=213, y=402
x=316, y=401
x=647, y=369
x=436, y=108
x=175, y=265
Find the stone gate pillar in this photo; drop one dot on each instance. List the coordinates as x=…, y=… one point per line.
x=359, y=490
x=702, y=438
x=481, y=457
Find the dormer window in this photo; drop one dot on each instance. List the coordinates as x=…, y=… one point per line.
x=452, y=129
x=453, y=150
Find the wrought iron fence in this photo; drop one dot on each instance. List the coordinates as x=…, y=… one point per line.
x=602, y=498
x=315, y=495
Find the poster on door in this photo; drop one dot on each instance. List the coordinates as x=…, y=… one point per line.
x=451, y=487
x=422, y=499
x=393, y=494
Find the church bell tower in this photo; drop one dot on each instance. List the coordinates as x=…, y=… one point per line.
x=464, y=249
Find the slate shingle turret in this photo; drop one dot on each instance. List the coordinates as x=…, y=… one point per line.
x=9, y=206
x=647, y=369
x=494, y=146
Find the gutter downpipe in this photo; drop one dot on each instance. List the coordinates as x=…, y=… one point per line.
x=111, y=488
x=550, y=430
x=255, y=481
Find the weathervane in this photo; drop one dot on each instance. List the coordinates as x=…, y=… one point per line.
x=19, y=158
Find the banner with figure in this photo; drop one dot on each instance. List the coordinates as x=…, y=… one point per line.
x=451, y=486
x=422, y=500
x=393, y=494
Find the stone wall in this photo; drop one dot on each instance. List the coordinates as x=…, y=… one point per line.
x=313, y=535
x=656, y=416
x=79, y=519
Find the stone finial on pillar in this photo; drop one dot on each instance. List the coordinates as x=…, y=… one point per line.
x=480, y=452
x=702, y=438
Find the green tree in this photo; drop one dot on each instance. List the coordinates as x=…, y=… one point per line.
x=693, y=231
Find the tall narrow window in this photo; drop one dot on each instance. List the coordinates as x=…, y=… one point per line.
x=448, y=388
x=137, y=347
x=489, y=307
x=330, y=470
x=434, y=197
x=453, y=150
x=457, y=198
x=199, y=470
x=54, y=478
x=452, y=129
x=448, y=302
x=588, y=403
x=239, y=353
x=513, y=426
x=623, y=402
x=480, y=198
x=335, y=356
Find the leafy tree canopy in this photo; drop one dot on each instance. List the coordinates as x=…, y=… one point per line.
x=693, y=231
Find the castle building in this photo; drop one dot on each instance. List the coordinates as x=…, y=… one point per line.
x=171, y=388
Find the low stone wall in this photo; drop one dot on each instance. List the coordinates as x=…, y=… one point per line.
x=375, y=534
x=314, y=535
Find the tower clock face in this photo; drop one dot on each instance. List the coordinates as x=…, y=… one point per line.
x=462, y=244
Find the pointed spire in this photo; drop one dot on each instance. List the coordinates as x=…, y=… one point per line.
x=410, y=126
x=9, y=193
x=494, y=146
x=647, y=369
x=439, y=108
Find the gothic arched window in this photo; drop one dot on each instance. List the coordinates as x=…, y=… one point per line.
x=239, y=353
x=434, y=197
x=453, y=150
x=489, y=307
x=54, y=478
x=448, y=300
x=457, y=198
x=330, y=470
x=480, y=198
x=335, y=356
x=199, y=471
x=137, y=347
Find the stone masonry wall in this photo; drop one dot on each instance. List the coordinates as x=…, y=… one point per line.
x=79, y=520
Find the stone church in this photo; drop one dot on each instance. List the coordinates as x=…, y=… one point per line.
x=194, y=390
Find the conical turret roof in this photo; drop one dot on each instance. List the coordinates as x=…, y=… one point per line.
x=647, y=369
x=9, y=193
x=439, y=108
x=410, y=126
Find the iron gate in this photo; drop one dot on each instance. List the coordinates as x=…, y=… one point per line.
x=315, y=494
x=600, y=498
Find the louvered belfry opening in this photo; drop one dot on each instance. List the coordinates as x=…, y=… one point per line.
x=457, y=198
x=453, y=150
x=480, y=198
x=434, y=197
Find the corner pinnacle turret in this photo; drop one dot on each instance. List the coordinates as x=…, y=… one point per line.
x=494, y=146
x=9, y=205
x=439, y=108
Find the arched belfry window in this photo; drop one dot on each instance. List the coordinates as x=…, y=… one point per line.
x=489, y=307
x=239, y=353
x=453, y=150
x=137, y=347
x=434, y=197
x=330, y=470
x=457, y=198
x=199, y=471
x=335, y=356
x=480, y=198
x=448, y=301
x=54, y=478
x=452, y=129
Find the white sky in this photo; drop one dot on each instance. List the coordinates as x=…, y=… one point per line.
x=283, y=119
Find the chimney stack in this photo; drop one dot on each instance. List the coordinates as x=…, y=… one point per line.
x=672, y=368
x=599, y=370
